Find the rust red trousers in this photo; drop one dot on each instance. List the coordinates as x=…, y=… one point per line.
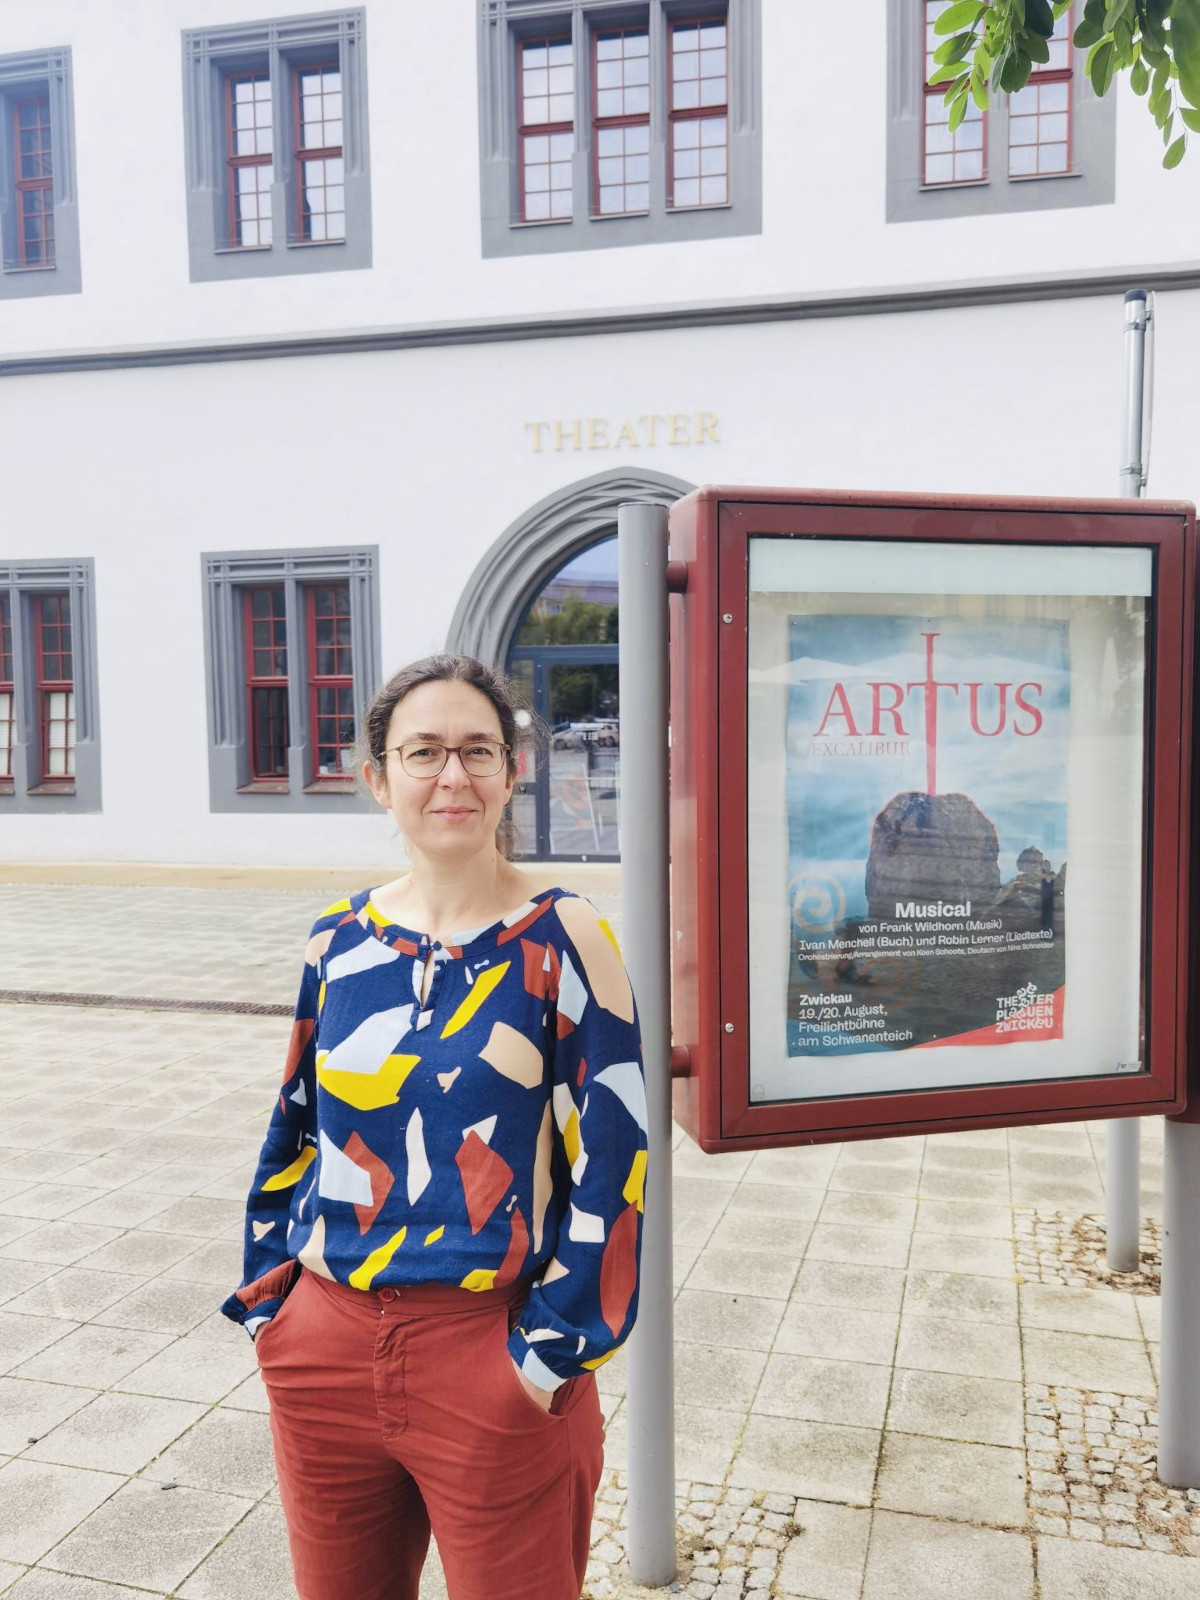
x=398, y=1411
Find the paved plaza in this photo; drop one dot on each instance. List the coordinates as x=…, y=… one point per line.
x=902, y=1372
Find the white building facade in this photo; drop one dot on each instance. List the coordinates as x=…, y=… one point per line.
x=330, y=337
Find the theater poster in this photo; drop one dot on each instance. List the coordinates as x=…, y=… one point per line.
x=946, y=769
x=928, y=832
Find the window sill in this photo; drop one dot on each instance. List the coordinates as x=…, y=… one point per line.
x=51, y=786
x=264, y=786
x=243, y=250
x=967, y=183
x=313, y=244
x=615, y=216
x=723, y=205
x=1041, y=177
x=541, y=222
x=7, y=786
x=330, y=786
x=50, y=266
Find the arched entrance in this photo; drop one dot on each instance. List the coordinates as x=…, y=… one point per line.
x=542, y=603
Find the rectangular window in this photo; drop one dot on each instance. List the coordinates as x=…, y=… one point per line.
x=293, y=655
x=276, y=146
x=949, y=158
x=39, y=216
x=7, y=688
x=331, y=681
x=699, y=115
x=546, y=129
x=250, y=164
x=265, y=623
x=1039, y=115
x=1006, y=160
x=609, y=123
x=621, y=121
x=34, y=182
x=49, y=715
x=321, y=192
x=55, y=687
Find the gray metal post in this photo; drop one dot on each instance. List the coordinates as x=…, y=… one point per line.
x=1123, y=1140
x=1122, y=1193
x=1179, y=1375
x=645, y=932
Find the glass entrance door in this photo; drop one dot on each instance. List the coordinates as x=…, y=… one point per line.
x=564, y=658
x=584, y=765
x=565, y=802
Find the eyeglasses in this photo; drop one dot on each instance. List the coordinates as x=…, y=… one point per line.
x=482, y=758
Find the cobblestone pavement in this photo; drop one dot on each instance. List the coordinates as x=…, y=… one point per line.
x=902, y=1372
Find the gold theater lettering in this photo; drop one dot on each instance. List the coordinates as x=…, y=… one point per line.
x=634, y=433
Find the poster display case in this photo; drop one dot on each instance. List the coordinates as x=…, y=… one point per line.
x=929, y=789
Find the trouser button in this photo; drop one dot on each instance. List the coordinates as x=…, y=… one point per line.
x=387, y=1294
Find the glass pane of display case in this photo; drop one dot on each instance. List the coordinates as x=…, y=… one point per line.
x=946, y=814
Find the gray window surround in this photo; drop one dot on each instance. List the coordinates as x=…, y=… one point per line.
x=278, y=45
x=1091, y=182
x=503, y=23
x=45, y=72
x=531, y=549
x=24, y=580
x=225, y=575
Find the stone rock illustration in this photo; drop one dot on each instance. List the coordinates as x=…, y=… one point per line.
x=931, y=847
x=925, y=849
x=1033, y=898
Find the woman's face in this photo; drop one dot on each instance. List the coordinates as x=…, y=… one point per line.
x=453, y=814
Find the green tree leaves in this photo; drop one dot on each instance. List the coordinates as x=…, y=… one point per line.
x=963, y=14
x=993, y=46
x=1185, y=46
x=1092, y=29
x=954, y=49
x=1100, y=65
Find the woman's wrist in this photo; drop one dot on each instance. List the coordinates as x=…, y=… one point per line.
x=543, y=1397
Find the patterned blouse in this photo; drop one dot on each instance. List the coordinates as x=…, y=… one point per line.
x=495, y=1132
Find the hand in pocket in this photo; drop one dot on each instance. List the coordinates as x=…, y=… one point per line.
x=540, y=1397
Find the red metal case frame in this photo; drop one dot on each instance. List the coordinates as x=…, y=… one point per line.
x=710, y=530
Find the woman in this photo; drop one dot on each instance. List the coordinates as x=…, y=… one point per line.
x=442, y=1235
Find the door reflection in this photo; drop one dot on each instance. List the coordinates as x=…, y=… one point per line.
x=564, y=659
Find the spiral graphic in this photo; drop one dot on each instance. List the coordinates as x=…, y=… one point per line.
x=895, y=980
x=818, y=904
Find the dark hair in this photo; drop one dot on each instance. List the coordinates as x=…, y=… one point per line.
x=518, y=726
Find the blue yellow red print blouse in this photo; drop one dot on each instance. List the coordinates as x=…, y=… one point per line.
x=496, y=1132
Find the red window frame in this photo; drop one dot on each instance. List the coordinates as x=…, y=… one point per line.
x=235, y=162
x=694, y=113
x=267, y=723
x=340, y=680
x=536, y=130
x=1038, y=78
x=8, y=720
x=55, y=675
x=301, y=154
x=940, y=89
x=41, y=185
x=637, y=119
